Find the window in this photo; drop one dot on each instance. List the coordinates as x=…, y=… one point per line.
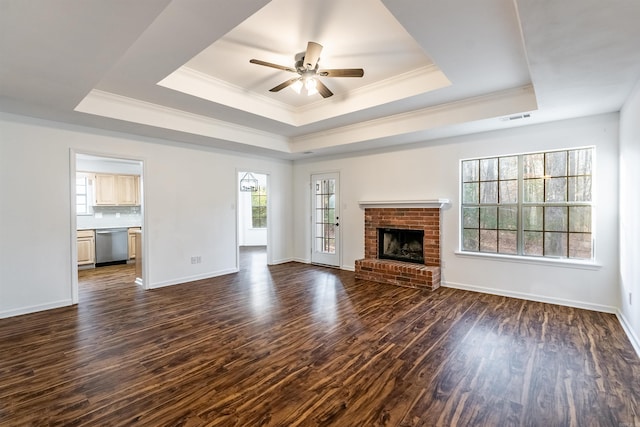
x=325, y=215
x=536, y=204
x=82, y=194
x=259, y=207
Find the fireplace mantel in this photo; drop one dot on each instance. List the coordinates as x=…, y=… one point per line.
x=432, y=203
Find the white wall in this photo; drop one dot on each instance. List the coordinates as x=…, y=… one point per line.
x=431, y=171
x=630, y=215
x=107, y=165
x=189, y=199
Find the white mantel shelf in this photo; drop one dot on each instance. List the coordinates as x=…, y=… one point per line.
x=433, y=203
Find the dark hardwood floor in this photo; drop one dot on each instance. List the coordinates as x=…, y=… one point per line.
x=300, y=345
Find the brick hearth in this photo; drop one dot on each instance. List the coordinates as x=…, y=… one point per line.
x=400, y=273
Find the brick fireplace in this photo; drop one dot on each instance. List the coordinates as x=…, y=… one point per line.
x=420, y=215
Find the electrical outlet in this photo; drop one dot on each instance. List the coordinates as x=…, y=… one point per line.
x=196, y=259
x=630, y=295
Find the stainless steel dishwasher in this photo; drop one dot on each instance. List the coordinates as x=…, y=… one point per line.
x=112, y=245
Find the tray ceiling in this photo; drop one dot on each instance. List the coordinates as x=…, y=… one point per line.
x=179, y=70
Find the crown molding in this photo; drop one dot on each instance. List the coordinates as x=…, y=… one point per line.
x=120, y=107
x=492, y=105
x=482, y=107
x=205, y=86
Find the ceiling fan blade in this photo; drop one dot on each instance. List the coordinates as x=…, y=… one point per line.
x=284, y=84
x=342, y=72
x=322, y=89
x=312, y=55
x=272, y=65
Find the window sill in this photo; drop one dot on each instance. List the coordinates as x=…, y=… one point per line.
x=558, y=262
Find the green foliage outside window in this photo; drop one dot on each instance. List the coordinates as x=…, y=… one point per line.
x=536, y=204
x=259, y=208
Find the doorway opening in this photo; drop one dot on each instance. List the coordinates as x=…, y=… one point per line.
x=107, y=217
x=253, y=219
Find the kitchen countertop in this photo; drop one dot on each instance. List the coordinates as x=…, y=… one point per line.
x=106, y=227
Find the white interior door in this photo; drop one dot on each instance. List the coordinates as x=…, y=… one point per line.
x=325, y=191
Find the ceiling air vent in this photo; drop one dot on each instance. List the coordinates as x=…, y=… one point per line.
x=516, y=117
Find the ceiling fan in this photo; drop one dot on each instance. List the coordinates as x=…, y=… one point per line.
x=306, y=66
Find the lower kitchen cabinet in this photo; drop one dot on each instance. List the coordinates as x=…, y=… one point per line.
x=132, y=242
x=86, y=247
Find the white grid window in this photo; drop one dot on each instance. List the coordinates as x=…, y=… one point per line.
x=82, y=194
x=536, y=204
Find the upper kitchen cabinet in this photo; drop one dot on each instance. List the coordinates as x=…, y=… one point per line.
x=105, y=190
x=117, y=190
x=128, y=192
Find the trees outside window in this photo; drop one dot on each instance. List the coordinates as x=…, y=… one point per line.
x=259, y=207
x=536, y=204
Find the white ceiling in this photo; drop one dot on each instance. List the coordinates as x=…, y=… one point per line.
x=179, y=69
x=347, y=43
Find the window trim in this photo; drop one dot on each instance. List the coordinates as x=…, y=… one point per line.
x=590, y=263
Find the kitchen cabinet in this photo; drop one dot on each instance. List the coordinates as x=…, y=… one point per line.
x=105, y=190
x=117, y=190
x=133, y=236
x=127, y=190
x=139, y=258
x=86, y=247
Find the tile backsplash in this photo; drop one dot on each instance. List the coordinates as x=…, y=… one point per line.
x=110, y=216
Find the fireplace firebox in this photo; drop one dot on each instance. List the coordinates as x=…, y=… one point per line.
x=401, y=245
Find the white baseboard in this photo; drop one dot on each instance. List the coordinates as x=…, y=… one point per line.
x=192, y=278
x=635, y=342
x=626, y=326
x=282, y=261
x=532, y=297
x=308, y=261
x=35, y=308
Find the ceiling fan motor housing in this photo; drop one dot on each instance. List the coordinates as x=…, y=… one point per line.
x=301, y=67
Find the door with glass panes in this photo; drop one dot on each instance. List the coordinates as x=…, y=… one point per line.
x=325, y=219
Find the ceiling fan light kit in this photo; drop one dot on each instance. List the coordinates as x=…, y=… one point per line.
x=297, y=86
x=306, y=65
x=307, y=85
x=248, y=183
